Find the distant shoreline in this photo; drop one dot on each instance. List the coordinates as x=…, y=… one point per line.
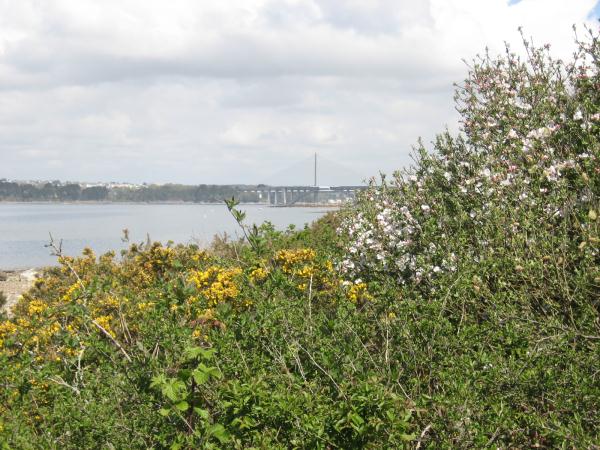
x=83, y=202
x=107, y=202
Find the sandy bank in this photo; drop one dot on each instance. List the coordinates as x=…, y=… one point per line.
x=15, y=284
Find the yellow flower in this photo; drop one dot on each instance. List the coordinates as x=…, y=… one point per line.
x=69, y=293
x=258, y=274
x=197, y=333
x=216, y=284
x=145, y=305
x=6, y=328
x=289, y=258
x=305, y=272
x=197, y=257
x=104, y=322
x=358, y=292
x=68, y=351
x=111, y=302
x=36, y=307
x=207, y=314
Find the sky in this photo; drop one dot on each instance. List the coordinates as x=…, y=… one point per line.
x=244, y=91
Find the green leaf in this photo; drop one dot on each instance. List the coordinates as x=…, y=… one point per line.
x=169, y=392
x=164, y=412
x=207, y=353
x=340, y=425
x=203, y=413
x=355, y=418
x=219, y=432
x=191, y=353
x=213, y=372
x=238, y=215
x=231, y=203
x=158, y=381
x=173, y=389
x=182, y=406
x=200, y=377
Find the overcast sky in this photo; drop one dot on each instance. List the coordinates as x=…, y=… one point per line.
x=243, y=91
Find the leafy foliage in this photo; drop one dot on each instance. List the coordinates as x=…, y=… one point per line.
x=455, y=305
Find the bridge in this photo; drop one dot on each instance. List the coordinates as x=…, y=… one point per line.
x=301, y=195
x=306, y=195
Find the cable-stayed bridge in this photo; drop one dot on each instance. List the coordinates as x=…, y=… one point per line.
x=314, y=192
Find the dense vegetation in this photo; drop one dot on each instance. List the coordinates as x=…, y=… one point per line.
x=455, y=305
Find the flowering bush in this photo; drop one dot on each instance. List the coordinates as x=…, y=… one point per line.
x=529, y=149
x=454, y=306
x=92, y=315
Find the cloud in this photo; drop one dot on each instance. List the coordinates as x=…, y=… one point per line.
x=235, y=91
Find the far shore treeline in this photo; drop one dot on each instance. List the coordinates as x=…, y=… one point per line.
x=72, y=192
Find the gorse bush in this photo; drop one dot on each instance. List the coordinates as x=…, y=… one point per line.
x=456, y=304
x=176, y=348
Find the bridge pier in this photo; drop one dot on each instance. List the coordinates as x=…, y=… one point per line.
x=291, y=195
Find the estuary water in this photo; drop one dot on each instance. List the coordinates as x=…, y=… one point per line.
x=25, y=227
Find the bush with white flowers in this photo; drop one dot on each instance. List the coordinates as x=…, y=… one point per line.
x=524, y=172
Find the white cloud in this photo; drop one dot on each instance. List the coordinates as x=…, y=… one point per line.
x=235, y=91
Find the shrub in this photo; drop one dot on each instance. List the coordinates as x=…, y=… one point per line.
x=455, y=305
x=493, y=239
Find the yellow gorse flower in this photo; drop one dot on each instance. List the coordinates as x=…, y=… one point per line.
x=111, y=302
x=217, y=284
x=69, y=293
x=197, y=333
x=258, y=274
x=6, y=328
x=288, y=259
x=143, y=306
x=44, y=334
x=36, y=307
x=104, y=322
x=358, y=292
x=305, y=271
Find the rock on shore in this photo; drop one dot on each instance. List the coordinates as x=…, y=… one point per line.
x=14, y=283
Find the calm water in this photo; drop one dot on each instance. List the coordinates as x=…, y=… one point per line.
x=25, y=227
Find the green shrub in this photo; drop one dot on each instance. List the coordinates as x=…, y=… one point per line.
x=454, y=306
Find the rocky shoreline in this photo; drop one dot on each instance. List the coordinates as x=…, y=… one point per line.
x=13, y=283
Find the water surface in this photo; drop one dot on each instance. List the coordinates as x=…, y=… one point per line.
x=25, y=227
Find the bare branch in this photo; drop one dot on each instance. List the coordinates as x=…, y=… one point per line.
x=108, y=335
